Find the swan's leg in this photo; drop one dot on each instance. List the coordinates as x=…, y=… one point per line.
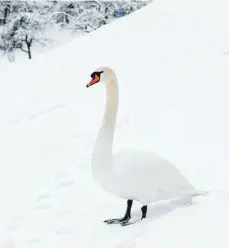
x=144, y=211
x=128, y=211
x=126, y=218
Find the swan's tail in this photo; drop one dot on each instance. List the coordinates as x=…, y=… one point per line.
x=196, y=193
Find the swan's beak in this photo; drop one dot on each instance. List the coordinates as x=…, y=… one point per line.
x=93, y=81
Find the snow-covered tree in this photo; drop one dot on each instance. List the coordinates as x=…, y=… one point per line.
x=5, y=8
x=23, y=22
x=24, y=28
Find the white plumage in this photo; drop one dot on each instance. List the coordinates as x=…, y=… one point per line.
x=130, y=174
x=146, y=178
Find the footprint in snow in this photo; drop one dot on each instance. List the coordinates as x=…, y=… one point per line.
x=33, y=241
x=64, y=232
x=43, y=202
x=43, y=197
x=79, y=135
x=64, y=213
x=44, y=206
x=66, y=183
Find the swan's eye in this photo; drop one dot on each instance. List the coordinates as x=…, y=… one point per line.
x=93, y=75
x=96, y=73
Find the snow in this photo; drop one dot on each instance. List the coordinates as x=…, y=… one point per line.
x=171, y=59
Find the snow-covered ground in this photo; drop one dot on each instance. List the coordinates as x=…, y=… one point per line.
x=171, y=59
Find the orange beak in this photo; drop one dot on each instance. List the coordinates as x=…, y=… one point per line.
x=93, y=81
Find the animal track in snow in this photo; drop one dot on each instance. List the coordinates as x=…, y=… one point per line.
x=67, y=183
x=44, y=201
x=64, y=213
x=64, y=231
x=79, y=135
x=43, y=197
x=33, y=241
x=44, y=206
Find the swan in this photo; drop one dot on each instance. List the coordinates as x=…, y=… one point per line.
x=130, y=174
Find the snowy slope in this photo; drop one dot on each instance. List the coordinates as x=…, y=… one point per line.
x=171, y=59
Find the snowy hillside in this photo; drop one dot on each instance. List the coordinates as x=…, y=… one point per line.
x=171, y=59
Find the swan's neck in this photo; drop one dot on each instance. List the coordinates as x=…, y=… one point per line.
x=104, y=142
x=102, y=156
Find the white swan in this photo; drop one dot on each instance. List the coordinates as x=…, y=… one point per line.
x=130, y=174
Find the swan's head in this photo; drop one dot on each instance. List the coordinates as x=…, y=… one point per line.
x=102, y=74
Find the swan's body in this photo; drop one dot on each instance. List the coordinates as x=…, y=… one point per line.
x=143, y=177
x=132, y=175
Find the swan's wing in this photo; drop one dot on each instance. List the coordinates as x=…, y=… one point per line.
x=144, y=171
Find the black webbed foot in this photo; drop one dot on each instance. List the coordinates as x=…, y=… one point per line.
x=121, y=221
x=125, y=219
